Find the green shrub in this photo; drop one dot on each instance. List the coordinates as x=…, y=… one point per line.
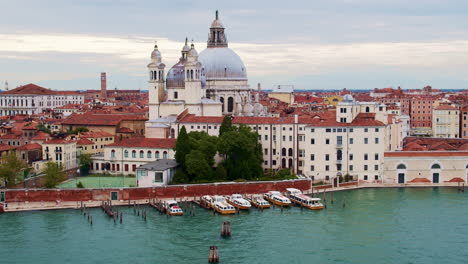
x=79, y=185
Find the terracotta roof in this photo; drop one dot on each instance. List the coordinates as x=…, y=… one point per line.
x=30, y=89
x=95, y=134
x=5, y=147
x=445, y=107
x=30, y=146
x=10, y=136
x=41, y=136
x=141, y=142
x=84, y=141
x=101, y=119
x=434, y=144
x=402, y=154
x=59, y=141
x=456, y=179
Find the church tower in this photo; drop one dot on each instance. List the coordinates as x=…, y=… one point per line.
x=156, y=83
x=193, y=88
x=217, y=37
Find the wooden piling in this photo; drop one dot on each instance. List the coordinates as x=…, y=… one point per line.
x=213, y=256
x=226, y=229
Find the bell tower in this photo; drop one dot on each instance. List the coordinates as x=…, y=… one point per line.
x=217, y=37
x=156, y=83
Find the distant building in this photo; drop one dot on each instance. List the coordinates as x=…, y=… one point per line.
x=33, y=99
x=446, y=121
x=156, y=173
x=60, y=151
x=464, y=121
x=284, y=93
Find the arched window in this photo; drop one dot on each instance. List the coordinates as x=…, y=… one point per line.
x=113, y=153
x=126, y=153
x=283, y=163
x=133, y=154
x=191, y=74
x=142, y=154
x=165, y=155
x=172, y=133
x=435, y=166
x=290, y=163
x=290, y=152
x=148, y=155
x=367, y=109
x=401, y=167
x=156, y=155
x=283, y=152
x=230, y=104
x=222, y=102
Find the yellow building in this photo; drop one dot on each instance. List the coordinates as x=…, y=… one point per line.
x=332, y=100
x=60, y=151
x=284, y=93
x=445, y=121
x=100, y=139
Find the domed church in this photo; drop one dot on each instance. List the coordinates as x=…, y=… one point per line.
x=212, y=83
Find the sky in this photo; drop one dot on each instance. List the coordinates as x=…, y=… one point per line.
x=332, y=44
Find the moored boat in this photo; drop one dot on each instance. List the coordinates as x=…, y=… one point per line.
x=238, y=201
x=277, y=198
x=259, y=202
x=219, y=204
x=297, y=197
x=205, y=201
x=172, y=208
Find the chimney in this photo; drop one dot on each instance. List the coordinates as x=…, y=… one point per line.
x=103, y=85
x=296, y=119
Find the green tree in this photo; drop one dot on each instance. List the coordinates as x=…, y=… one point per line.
x=226, y=125
x=78, y=130
x=197, y=166
x=220, y=173
x=180, y=177
x=53, y=174
x=43, y=128
x=12, y=169
x=242, y=153
x=182, y=147
x=204, y=143
x=85, y=163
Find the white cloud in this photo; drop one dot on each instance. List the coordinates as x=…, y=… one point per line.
x=131, y=54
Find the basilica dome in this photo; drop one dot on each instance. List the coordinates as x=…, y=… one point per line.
x=222, y=63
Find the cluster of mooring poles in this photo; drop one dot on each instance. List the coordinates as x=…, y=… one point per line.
x=86, y=213
x=111, y=211
x=138, y=210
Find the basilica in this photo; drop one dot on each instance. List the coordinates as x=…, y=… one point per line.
x=212, y=83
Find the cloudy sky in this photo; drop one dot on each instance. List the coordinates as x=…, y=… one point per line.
x=330, y=44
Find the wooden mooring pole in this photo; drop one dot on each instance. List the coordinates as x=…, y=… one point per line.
x=213, y=256
x=226, y=229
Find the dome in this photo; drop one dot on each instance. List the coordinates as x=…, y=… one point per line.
x=193, y=52
x=175, y=76
x=222, y=64
x=155, y=54
x=348, y=98
x=248, y=109
x=216, y=24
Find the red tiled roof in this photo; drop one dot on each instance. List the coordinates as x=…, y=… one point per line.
x=59, y=141
x=41, y=136
x=403, y=154
x=30, y=89
x=30, y=146
x=445, y=107
x=141, y=142
x=95, y=134
x=5, y=147
x=84, y=141
x=456, y=179
x=10, y=136
x=101, y=119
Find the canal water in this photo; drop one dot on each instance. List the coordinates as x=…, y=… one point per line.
x=413, y=225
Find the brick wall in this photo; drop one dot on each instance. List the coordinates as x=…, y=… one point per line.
x=195, y=190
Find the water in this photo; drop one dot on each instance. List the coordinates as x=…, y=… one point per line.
x=377, y=226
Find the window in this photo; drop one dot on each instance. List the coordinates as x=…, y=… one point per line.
x=312, y=156
x=351, y=141
x=142, y=154
x=327, y=178
x=351, y=167
x=274, y=151
x=351, y=156
x=339, y=140
x=133, y=154
x=327, y=167
x=301, y=153
x=176, y=95
x=338, y=167
x=266, y=137
x=327, y=141
x=301, y=137
x=366, y=130
x=376, y=177
x=312, y=168
x=366, y=167
x=265, y=151
x=376, y=156
x=376, y=140
x=312, y=141
x=366, y=156
x=376, y=167
x=351, y=130
x=435, y=166
x=401, y=167
x=284, y=138
x=156, y=155
x=290, y=152
x=328, y=130
x=366, y=140
x=376, y=129
x=113, y=153
x=158, y=177
x=313, y=130
x=165, y=155
x=283, y=151
x=290, y=138
x=327, y=156
x=365, y=177
x=114, y=196
x=148, y=155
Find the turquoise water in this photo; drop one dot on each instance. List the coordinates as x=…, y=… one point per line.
x=377, y=226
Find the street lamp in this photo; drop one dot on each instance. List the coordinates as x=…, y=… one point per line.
x=76, y=177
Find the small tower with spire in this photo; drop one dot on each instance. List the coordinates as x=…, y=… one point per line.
x=156, y=83
x=6, y=85
x=217, y=37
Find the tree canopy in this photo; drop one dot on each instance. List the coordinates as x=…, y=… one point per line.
x=12, y=169
x=85, y=163
x=53, y=174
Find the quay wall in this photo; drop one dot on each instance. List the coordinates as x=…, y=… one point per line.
x=172, y=191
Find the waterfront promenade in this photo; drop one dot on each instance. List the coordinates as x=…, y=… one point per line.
x=32, y=204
